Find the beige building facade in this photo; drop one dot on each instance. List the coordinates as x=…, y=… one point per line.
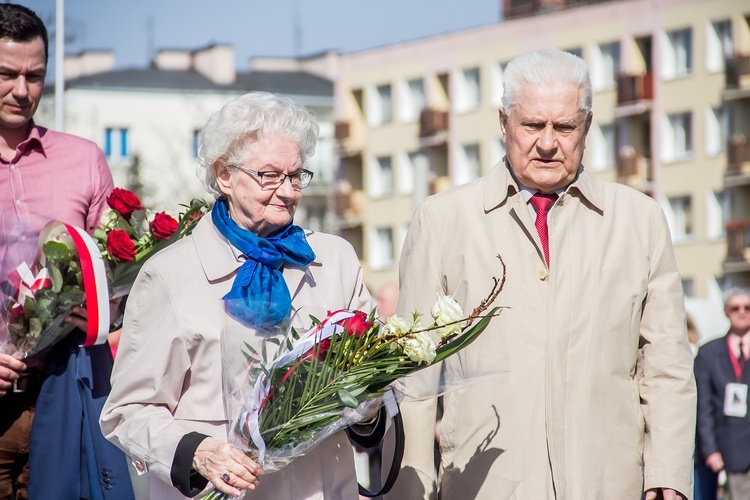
x=671, y=85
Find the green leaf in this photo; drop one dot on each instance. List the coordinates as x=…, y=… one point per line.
x=56, y=277
x=346, y=398
x=55, y=251
x=35, y=327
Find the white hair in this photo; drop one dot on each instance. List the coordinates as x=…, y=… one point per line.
x=734, y=291
x=546, y=68
x=253, y=116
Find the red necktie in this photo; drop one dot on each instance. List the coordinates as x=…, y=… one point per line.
x=542, y=203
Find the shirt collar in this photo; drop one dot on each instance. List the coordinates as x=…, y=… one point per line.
x=33, y=142
x=501, y=184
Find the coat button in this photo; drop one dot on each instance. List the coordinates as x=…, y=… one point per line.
x=105, y=472
x=107, y=486
x=542, y=274
x=139, y=466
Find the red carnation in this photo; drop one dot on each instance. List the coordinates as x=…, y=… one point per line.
x=124, y=202
x=120, y=246
x=357, y=325
x=163, y=226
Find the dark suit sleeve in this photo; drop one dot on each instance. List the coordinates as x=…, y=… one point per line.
x=706, y=422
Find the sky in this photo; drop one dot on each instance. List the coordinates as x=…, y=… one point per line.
x=135, y=29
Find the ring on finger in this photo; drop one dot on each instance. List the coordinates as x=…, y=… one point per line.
x=226, y=477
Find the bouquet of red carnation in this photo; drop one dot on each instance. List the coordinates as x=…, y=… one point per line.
x=290, y=394
x=73, y=268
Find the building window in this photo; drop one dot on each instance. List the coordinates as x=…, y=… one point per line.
x=498, y=85
x=718, y=45
x=602, y=139
x=380, y=255
x=717, y=125
x=408, y=166
x=578, y=52
x=380, y=106
x=196, y=142
x=679, y=214
x=687, y=287
x=469, y=91
x=468, y=164
x=497, y=148
x=677, y=54
x=717, y=213
x=677, y=132
x=605, y=65
x=116, y=144
x=412, y=100
x=380, y=177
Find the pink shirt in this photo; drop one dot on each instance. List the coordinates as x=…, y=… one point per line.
x=53, y=176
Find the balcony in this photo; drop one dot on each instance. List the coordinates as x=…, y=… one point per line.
x=738, y=245
x=738, y=160
x=432, y=122
x=634, y=168
x=341, y=131
x=349, y=203
x=634, y=88
x=738, y=71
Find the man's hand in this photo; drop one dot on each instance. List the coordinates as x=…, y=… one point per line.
x=79, y=317
x=228, y=468
x=715, y=462
x=663, y=493
x=10, y=369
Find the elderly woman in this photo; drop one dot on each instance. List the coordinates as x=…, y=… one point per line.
x=166, y=409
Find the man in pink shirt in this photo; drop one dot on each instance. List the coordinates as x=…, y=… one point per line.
x=44, y=175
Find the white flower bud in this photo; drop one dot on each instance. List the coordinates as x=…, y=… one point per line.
x=420, y=348
x=445, y=311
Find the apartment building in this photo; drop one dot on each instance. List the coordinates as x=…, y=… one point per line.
x=148, y=120
x=671, y=117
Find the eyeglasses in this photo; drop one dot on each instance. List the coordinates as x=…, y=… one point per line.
x=735, y=309
x=272, y=180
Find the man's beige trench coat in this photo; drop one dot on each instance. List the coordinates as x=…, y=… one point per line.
x=596, y=398
x=167, y=377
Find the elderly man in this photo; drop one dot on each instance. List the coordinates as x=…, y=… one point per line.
x=723, y=421
x=595, y=397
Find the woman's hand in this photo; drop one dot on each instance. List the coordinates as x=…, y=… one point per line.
x=228, y=468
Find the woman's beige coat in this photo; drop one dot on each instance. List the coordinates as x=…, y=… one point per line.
x=597, y=398
x=167, y=378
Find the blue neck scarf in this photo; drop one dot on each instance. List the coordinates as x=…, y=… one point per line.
x=259, y=296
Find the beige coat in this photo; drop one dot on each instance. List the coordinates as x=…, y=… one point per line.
x=167, y=378
x=597, y=395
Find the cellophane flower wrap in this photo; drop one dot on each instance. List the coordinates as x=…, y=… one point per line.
x=285, y=390
x=73, y=268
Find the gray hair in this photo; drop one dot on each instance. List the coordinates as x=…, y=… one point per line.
x=254, y=116
x=546, y=68
x=731, y=292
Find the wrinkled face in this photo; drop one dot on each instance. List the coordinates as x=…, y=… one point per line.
x=737, y=310
x=22, y=70
x=545, y=136
x=253, y=207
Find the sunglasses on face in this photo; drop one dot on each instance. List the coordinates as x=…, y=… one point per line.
x=734, y=309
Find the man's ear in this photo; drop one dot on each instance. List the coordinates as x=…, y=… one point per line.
x=503, y=120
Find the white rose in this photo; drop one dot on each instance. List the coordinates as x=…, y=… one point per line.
x=420, y=348
x=108, y=217
x=395, y=325
x=445, y=311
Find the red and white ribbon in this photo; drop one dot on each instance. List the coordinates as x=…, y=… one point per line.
x=23, y=280
x=94, y=273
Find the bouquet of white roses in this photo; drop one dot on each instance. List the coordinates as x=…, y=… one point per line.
x=293, y=393
x=71, y=268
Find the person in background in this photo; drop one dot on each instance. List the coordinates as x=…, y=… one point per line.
x=705, y=480
x=167, y=409
x=46, y=175
x=722, y=377
x=596, y=398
